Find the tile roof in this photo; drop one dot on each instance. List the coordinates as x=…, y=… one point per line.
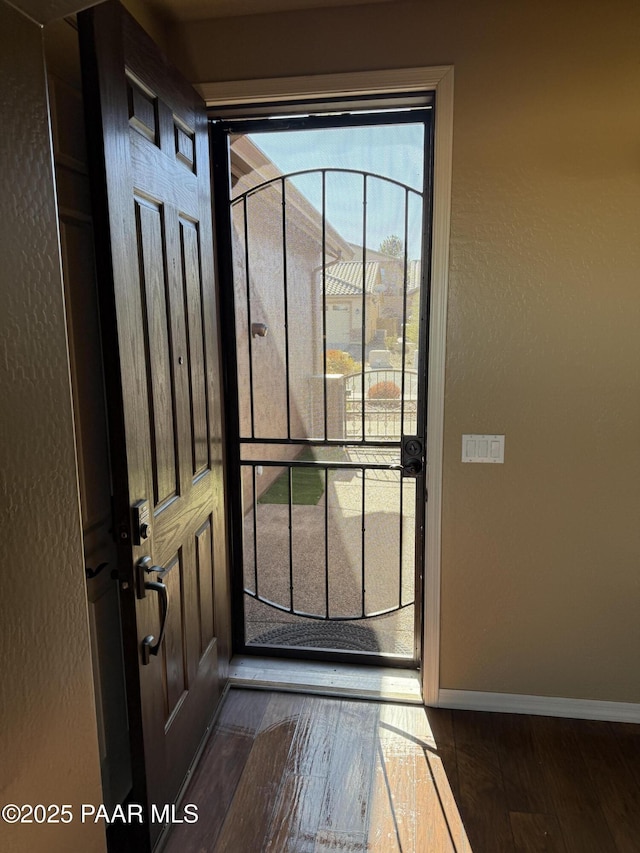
x=338, y=287
x=345, y=277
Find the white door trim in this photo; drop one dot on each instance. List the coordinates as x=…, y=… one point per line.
x=438, y=79
x=312, y=87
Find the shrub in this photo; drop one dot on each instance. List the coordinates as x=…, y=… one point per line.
x=384, y=391
x=341, y=362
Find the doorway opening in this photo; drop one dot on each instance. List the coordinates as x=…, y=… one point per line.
x=324, y=222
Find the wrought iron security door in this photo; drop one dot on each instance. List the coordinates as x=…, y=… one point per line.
x=330, y=370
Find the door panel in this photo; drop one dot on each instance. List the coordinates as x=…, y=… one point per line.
x=151, y=171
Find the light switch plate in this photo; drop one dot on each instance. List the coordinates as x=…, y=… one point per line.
x=483, y=448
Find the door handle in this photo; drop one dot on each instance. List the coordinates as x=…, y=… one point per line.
x=144, y=567
x=148, y=646
x=412, y=468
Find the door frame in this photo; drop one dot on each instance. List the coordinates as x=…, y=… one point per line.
x=437, y=79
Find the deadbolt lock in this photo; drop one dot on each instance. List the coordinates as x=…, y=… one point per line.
x=141, y=522
x=413, y=447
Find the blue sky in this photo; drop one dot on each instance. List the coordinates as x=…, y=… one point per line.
x=393, y=151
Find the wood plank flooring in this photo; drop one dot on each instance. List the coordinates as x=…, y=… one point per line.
x=289, y=773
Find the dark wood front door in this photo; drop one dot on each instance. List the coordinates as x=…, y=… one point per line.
x=155, y=259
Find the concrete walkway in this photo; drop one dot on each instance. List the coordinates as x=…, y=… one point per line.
x=392, y=633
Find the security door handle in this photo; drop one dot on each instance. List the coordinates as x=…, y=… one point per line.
x=412, y=468
x=412, y=456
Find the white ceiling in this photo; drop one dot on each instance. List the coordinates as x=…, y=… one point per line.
x=196, y=10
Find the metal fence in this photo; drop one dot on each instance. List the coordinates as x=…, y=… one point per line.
x=388, y=409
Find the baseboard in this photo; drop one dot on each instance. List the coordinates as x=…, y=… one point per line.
x=544, y=706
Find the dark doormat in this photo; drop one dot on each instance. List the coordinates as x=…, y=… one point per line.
x=321, y=635
x=333, y=636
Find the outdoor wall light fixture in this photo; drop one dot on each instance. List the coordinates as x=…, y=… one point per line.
x=259, y=330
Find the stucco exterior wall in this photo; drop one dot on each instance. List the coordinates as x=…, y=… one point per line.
x=48, y=737
x=540, y=581
x=267, y=305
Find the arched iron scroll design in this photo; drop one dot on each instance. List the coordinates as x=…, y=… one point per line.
x=400, y=411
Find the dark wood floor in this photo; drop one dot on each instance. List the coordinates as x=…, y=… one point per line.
x=284, y=772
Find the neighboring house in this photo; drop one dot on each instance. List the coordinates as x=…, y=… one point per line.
x=348, y=310
x=392, y=275
x=391, y=279
x=383, y=307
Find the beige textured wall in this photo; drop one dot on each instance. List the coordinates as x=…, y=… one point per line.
x=48, y=739
x=153, y=22
x=540, y=583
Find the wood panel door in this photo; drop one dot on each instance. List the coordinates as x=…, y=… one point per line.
x=155, y=260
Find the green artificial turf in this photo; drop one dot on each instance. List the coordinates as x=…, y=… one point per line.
x=307, y=485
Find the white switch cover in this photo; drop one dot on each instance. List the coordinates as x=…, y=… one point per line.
x=483, y=448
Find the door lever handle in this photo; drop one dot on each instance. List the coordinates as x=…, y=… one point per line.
x=148, y=646
x=93, y=573
x=145, y=567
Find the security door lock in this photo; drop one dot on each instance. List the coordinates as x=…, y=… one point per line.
x=412, y=456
